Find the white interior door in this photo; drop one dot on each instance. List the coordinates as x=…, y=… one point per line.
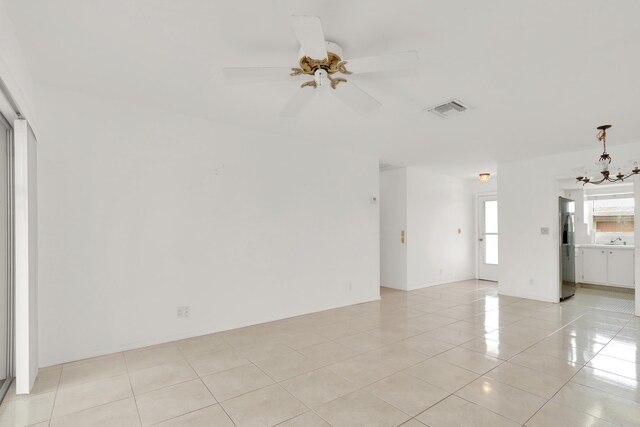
x=488, y=238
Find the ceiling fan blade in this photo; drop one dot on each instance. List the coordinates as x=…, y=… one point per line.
x=376, y=64
x=308, y=30
x=256, y=74
x=297, y=102
x=356, y=98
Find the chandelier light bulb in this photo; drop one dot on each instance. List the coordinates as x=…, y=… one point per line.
x=604, y=163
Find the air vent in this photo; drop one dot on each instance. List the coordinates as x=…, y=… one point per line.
x=449, y=108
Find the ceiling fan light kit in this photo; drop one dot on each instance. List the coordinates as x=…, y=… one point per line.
x=324, y=61
x=604, y=162
x=322, y=70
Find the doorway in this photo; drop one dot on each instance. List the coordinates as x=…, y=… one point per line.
x=6, y=256
x=605, y=232
x=488, y=237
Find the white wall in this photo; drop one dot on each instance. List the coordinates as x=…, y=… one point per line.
x=14, y=72
x=437, y=207
x=489, y=187
x=393, y=219
x=528, y=201
x=432, y=210
x=142, y=211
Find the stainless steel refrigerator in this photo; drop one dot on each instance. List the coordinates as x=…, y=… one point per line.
x=567, y=210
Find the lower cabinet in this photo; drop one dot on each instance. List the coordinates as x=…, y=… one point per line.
x=608, y=266
x=620, y=269
x=594, y=266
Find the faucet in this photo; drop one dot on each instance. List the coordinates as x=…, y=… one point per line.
x=613, y=241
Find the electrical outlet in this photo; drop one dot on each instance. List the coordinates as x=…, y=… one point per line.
x=183, y=311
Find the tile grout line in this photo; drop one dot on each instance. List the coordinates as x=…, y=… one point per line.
x=209, y=390
x=400, y=307
x=525, y=349
x=576, y=373
x=135, y=400
x=55, y=396
x=399, y=371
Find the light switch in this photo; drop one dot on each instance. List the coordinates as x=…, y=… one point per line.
x=544, y=230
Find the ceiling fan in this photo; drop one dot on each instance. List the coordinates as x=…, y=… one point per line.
x=323, y=61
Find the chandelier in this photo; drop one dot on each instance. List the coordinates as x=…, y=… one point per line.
x=605, y=161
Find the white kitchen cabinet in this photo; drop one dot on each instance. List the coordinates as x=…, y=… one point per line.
x=620, y=271
x=603, y=265
x=594, y=265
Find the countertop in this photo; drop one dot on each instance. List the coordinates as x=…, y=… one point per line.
x=594, y=245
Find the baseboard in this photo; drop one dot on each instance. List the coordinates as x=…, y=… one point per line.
x=454, y=280
x=509, y=294
x=607, y=288
x=191, y=334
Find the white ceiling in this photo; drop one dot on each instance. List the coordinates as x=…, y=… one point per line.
x=539, y=74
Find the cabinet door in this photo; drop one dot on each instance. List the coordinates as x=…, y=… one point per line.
x=621, y=267
x=594, y=266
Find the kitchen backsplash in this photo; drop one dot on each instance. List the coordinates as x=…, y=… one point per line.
x=603, y=238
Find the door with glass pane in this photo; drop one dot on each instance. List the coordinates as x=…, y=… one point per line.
x=488, y=238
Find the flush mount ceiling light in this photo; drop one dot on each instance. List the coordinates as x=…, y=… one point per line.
x=604, y=162
x=484, y=177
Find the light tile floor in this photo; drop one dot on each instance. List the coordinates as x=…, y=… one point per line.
x=604, y=299
x=450, y=355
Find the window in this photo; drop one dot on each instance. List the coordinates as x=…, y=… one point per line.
x=491, y=232
x=614, y=215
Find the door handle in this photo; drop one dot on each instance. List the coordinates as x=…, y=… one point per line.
x=480, y=239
